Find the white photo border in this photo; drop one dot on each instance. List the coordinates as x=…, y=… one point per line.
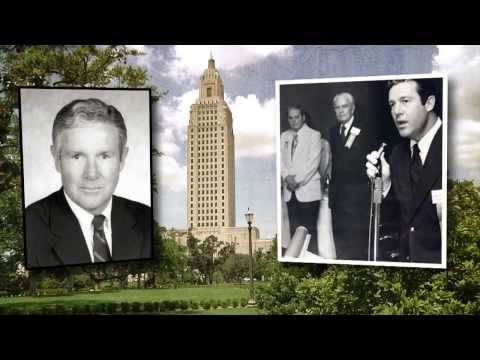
x=444, y=77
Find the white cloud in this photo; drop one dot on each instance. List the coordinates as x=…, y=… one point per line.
x=447, y=55
x=460, y=62
x=253, y=126
x=171, y=176
x=191, y=60
x=175, y=115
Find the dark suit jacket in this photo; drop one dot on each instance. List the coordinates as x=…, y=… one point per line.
x=54, y=237
x=349, y=185
x=423, y=244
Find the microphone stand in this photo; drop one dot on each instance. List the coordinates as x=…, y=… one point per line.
x=376, y=188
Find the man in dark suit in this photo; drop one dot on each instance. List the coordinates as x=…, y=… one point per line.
x=83, y=222
x=349, y=192
x=413, y=177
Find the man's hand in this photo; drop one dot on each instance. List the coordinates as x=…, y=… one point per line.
x=372, y=170
x=291, y=183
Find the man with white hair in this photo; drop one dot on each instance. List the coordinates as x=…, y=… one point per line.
x=349, y=191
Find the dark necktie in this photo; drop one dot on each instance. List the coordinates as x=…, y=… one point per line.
x=415, y=165
x=294, y=144
x=100, y=246
x=342, y=132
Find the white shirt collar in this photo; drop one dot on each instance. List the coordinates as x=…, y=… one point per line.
x=347, y=125
x=85, y=219
x=426, y=141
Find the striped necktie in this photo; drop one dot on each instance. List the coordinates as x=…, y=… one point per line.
x=100, y=246
x=294, y=144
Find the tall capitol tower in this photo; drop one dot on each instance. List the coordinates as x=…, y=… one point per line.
x=210, y=157
x=211, y=170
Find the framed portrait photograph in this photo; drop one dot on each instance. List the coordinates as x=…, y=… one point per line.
x=87, y=184
x=362, y=170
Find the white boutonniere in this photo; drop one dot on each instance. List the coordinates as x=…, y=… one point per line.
x=354, y=131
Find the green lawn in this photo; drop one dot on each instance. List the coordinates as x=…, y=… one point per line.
x=142, y=295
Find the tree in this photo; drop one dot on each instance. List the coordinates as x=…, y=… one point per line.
x=374, y=290
x=48, y=65
x=236, y=267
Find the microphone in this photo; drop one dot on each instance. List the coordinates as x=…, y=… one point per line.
x=377, y=180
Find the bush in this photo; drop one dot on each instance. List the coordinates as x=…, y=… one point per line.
x=99, y=308
x=226, y=303
x=156, y=305
x=86, y=309
x=162, y=307
x=50, y=283
x=218, y=277
x=148, y=307
x=125, y=307
x=60, y=309
x=171, y=305
x=53, y=292
x=76, y=310
x=111, y=286
x=48, y=310
x=243, y=302
x=136, y=307
x=194, y=305
x=206, y=304
x=183, y=304
x=13, y=311
x=111, y=308
x=82, y=281
x=235, y=303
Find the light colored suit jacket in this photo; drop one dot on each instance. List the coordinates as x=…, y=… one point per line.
x=304, y=165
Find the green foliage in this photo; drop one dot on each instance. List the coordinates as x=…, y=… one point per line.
x=50, y=65
x=183, y=304
x=206, y=304
x=148, y=307
x=202, y=256
x=111, y=307
x=99, y=308
x=374, y=290
x=236, y=267
x=194, y=305
x=125, y=307
x=86, y=309
x=136, y=307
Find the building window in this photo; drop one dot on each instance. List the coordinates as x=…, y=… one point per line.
x=209, y=93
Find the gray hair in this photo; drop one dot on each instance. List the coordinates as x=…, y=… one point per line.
x=348, y=95
x=93, y=110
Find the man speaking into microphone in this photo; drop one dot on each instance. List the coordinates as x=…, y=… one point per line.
x=412, y=178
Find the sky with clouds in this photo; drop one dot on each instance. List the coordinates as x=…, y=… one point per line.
x=249, y=73
x=462, y=64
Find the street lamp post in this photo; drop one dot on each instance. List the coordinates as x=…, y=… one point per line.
x=249, y=218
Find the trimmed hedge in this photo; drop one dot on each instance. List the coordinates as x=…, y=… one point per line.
x=126, y=307
x=111, y=308
x=136, y=307
x=148, y=306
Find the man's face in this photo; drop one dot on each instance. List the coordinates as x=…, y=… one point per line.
x=90, y=162
x=408, y=112
x=295, y=119
x=344, y=108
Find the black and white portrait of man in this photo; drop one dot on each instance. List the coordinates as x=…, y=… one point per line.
x=380, y=174
x=87, y=175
